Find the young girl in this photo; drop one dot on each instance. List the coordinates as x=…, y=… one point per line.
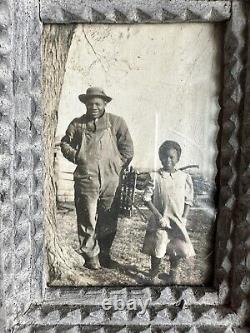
x=169, y=195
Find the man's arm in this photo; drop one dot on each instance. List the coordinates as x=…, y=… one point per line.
x=124, y=142
x=68, y=143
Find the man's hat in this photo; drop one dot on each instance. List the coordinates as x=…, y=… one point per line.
x=94, y=92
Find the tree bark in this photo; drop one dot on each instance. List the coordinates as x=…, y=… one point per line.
x=61, y=259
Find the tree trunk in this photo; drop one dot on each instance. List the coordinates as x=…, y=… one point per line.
x=61, y=259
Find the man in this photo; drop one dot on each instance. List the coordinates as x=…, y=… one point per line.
x=100, y=145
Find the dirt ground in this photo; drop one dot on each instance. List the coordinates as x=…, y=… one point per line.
x=132, y=265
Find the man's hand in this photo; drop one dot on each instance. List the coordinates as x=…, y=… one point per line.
x=164, y=223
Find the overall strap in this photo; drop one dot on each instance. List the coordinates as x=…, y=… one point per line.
x=105, y=130
x=108, y=124
x=112, y=136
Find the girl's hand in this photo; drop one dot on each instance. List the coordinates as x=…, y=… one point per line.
x=184, y=220
x=164, y=222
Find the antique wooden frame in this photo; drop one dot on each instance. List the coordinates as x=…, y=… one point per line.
x=27, y=303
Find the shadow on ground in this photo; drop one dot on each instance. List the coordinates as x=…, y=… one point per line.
x=132, y=266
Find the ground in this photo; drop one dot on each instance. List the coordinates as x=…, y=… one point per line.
x=132, y=265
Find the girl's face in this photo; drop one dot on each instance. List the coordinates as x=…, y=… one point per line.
x=169, y=160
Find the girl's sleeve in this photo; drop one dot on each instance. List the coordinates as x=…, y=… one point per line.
x=149, y=189
x=189, y=191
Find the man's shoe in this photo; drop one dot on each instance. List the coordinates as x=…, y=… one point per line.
x=93, y=263
x=107, y=262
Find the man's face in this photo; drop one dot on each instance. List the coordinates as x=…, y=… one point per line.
x=95, y=107
x=169, y=159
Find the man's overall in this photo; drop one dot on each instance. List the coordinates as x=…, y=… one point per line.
x=100, y=157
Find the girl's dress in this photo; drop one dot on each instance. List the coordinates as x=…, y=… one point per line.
x=169, y=192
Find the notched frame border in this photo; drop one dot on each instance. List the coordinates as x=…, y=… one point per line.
x=27, y=304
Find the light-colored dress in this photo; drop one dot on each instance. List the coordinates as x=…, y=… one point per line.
x=169, y=193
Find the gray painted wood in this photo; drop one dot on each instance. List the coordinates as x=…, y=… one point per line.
x=137, y=11
x=27, y=304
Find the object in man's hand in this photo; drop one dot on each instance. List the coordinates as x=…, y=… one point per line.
x=142, y=180
x=127, y=191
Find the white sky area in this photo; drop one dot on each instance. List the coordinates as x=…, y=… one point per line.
x=164, y=81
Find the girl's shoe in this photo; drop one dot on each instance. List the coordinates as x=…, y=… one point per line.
x=152, y=277
x=154, y=271
x=155, y=266
x=168, y=278
x=156, y=281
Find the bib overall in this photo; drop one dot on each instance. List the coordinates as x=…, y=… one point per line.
x=96, y=178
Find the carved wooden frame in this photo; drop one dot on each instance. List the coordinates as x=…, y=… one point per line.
x=27, y=303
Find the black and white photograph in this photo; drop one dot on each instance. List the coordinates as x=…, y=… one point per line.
x=136, y=145
x=125, y=158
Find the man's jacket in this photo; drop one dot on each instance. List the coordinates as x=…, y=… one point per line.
x=99, y=148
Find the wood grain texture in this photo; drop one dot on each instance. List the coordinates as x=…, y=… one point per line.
x=137, y=11
x=27, y=303
x=233, y=97
x=240, y=296
x=7, y=133
x=56, y=43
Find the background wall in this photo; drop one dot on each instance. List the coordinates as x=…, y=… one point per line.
x=164, y=81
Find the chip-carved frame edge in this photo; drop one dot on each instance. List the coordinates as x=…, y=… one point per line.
x=27, y=304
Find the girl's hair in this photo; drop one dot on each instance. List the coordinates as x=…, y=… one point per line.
x=167, y=145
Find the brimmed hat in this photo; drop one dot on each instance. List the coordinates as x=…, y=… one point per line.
x=94, y=92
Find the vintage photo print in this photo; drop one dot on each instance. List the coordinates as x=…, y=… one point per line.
x=136, y=144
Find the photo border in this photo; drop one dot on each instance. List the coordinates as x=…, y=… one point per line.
x=27, y=303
